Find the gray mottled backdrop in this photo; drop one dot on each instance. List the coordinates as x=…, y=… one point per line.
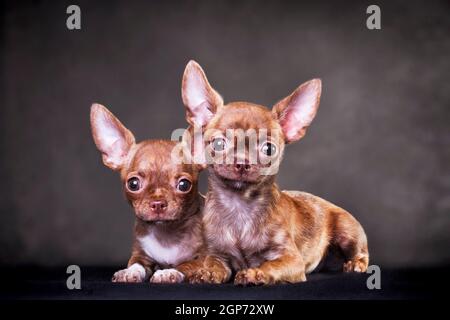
x=379, y=147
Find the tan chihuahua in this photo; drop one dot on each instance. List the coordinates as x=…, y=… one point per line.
x=252, y=227
x=163, y=192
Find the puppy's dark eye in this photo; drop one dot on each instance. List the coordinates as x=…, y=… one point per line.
x=269, y=149
x=218, y=144
x=134, y=184
x=184, y=185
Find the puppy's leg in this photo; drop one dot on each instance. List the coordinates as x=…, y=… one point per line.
x=287, y=268
x=350, y=237
x=167, y=276
x=206, y=269
x=139, y=268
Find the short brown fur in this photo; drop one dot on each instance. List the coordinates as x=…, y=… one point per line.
x=168, y=230
x=253, y=228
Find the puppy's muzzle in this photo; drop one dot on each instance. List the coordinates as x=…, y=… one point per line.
x=241, y=168
x=159, y=206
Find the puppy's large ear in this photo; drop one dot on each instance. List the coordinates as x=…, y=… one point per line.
x=296, y=112
x=110, y=136
x=200, y=99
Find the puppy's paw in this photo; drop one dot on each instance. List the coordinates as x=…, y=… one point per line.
x=167, y=276
x=358, y=265
x=135, y=273
x=207, y=276
x=252, y=276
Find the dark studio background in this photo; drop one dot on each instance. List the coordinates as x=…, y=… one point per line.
x=379, y=147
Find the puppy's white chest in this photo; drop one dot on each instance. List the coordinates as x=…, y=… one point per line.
x=164, y=254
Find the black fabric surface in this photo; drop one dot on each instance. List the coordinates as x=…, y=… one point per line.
x=50, y=283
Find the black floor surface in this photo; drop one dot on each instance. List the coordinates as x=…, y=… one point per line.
x=50, y=283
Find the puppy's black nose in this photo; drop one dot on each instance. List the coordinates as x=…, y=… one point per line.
x=241, y=168
x=159, y=206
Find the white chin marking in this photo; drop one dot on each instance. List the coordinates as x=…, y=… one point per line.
x=235, y=184
x=238, y=184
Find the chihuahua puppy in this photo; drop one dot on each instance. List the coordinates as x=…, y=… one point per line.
x=252, y=227
x=163, y=192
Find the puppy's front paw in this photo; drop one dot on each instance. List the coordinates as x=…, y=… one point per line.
x=135, y=273
x=208, y=276
x=252, y=276
x=358, y=265
x=167, y=276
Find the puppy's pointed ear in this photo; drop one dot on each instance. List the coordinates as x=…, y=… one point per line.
x=111, y=137
x=296, y=112
x=200, y=99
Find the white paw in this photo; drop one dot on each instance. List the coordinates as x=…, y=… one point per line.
x=167, y=276
x=135, y=273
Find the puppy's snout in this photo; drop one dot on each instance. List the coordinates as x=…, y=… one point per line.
x=159, y=206
x=241, y=168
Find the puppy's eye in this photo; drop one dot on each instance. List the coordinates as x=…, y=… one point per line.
x=269, y=149
x=184, y=185
x=218, y=144
x=134, y=184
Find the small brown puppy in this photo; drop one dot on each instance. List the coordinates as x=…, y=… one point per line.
x=164, y=195
x=265, y=234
